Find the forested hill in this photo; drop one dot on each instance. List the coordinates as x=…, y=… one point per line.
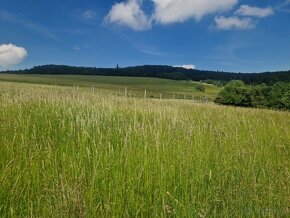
x=159, y=71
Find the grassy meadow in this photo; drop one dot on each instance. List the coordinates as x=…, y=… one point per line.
x=67, y=152
x=136, y=86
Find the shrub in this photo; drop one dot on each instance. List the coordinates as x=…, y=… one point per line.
x=200, y=88
x=235, y=93
x=262, y=96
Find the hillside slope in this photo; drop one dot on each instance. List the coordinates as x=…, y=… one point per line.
x=135, y=86
x=68, y=153
x=159, y=71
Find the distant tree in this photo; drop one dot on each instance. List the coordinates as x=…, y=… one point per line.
x=262, y=96
x=235, y=93
x=279, y=96
x=286, y=99
x=200, y=88
x=161, y=71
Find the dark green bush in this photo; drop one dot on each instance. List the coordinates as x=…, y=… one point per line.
x=262, y=96
x=200, y=88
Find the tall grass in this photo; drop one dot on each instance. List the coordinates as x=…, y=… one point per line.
x=68, y=153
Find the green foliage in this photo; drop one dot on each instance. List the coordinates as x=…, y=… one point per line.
x=200, y=88
x=235, y=93
x=262, y=96
x=285, y=100
x=160, y=71
x=279, y=96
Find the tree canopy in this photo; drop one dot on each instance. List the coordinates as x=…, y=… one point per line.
x=263, y=96
x=160, y=71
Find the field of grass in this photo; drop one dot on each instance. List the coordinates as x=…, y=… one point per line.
x=77, y=153
x=135, y=86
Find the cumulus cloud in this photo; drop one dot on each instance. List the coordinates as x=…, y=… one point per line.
x=186, y=66
x=88, y=15
x=11, y=55
x=172, y=11
x=228, y=23
x=246, y=10
x=129, y=13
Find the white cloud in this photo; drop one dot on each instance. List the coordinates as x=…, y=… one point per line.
x=172, y=11
x=228, y=23
x=186, y=66
x=246, y=10
x=76, y=48
x=6, y=16
x=129, y=13
x=88, y=15
x=284, y=6
x=11, y=55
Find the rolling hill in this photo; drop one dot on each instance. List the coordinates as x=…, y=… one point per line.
x=159, y=71
x=155, y=87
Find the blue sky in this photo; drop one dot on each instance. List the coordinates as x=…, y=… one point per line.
x=229, y=35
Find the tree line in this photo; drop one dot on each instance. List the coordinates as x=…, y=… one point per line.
x=237, y=93
x=161, y=71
